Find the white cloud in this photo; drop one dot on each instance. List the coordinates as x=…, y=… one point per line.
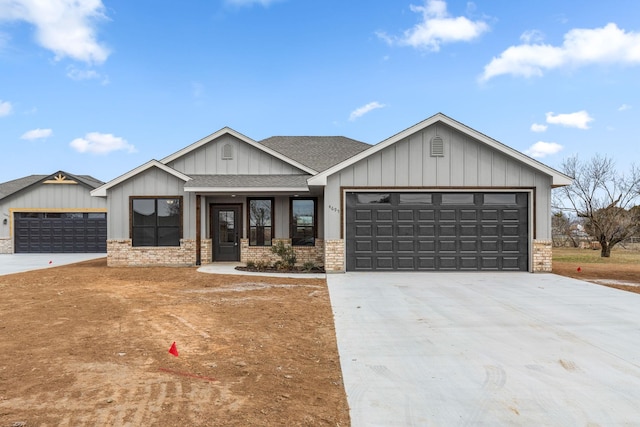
x=532, y=36
x=101, y=143
x=537, y=127
x=5, y=108
x=624, y=107
x=36, y=134
x=66, y=27
x=580, y=119
x=606, y=45
x=437, y=27
x=359, y=112
x=542, y=149
x=75, y=73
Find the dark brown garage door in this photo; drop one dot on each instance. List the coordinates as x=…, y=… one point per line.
x=41, y=232
x=437, y=231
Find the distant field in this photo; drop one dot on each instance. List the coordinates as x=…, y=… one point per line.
x=621, y=270
x=618, y=256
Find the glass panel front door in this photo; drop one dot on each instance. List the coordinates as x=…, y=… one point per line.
x=226, y=232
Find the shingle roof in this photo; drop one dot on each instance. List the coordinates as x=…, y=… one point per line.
x=316, y=152
x=11, y=187
x=247, y=181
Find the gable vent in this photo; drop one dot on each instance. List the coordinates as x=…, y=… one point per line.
x=437, y=147
x=227, y=152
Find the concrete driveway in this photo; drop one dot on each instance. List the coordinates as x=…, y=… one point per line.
x=18, y=263
x=450, y=349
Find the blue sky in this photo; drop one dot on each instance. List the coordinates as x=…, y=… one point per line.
x=101, y=86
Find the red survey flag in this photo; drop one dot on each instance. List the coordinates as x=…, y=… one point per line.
x=174, y=349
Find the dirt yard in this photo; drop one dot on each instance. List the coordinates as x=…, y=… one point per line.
x=87, y=345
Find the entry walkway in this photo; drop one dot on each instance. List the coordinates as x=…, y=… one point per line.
x=467, y=349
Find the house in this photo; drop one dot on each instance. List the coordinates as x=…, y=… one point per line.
x=436, y=196
x=52, y=214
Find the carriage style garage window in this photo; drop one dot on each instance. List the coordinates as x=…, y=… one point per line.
x=260, y=222
x=156, y=221
x=303, y=222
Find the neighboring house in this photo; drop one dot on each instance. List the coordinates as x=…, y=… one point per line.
x=51, y=214
x=436, y=196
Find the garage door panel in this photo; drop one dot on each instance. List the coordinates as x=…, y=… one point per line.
x=405, y=230
x=384, y=215
x=426, y=263
x=437, y=231
x=384, y=246
x=405, y=215
x=406, y=263
x=426, y=230
x=469, y=246
x=406, y=246
x=384, y=263
x=363, y=215
x=363, y=231
x=468, y=215
x=364, y=246
x=448, y=215
x=426, y=246
x=384, y=230
x=489, y=263
x=468, y=263
x=426, y=215
x=447, y=246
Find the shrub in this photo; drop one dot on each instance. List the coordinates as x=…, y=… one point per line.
x=309, y=265
x=262, y=265
x=286, y=253
x=251, y=264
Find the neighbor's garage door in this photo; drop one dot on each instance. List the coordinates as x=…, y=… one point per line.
x=41, y=232
x=437, y=231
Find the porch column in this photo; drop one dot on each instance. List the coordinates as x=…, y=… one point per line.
x=198, y=232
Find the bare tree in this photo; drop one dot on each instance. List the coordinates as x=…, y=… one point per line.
x=602, y=196
x=565, y=229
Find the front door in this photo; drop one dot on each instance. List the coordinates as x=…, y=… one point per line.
x=225, y=232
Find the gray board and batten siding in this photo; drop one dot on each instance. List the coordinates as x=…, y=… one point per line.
x=214, y=158
x=466, y=164
x=207, y=159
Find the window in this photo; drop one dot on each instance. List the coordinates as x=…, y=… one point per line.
x=457, y=199
x=499, y=199
x=260, y=225
x=415, y=199
x=367, y=198
x=303, y=222
x=156, y=222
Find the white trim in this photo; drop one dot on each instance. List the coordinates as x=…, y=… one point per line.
x=244, y=189
x=246, y=139
x=102, y=190
x=558, y=179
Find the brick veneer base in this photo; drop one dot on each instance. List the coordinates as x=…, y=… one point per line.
x=6, y=246
x=334, y=256
x=542, y=256
x=120, y=253
x=263, y=253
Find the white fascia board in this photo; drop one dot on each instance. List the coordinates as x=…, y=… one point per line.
x=558, y=179
x=102, y=190
x=243, y=138
x=245, y=190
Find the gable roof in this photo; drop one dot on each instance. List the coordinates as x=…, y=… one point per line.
x=246, y=139
x=317, y=152
x=102, y=190
x=558, y=178
x=16, y=185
